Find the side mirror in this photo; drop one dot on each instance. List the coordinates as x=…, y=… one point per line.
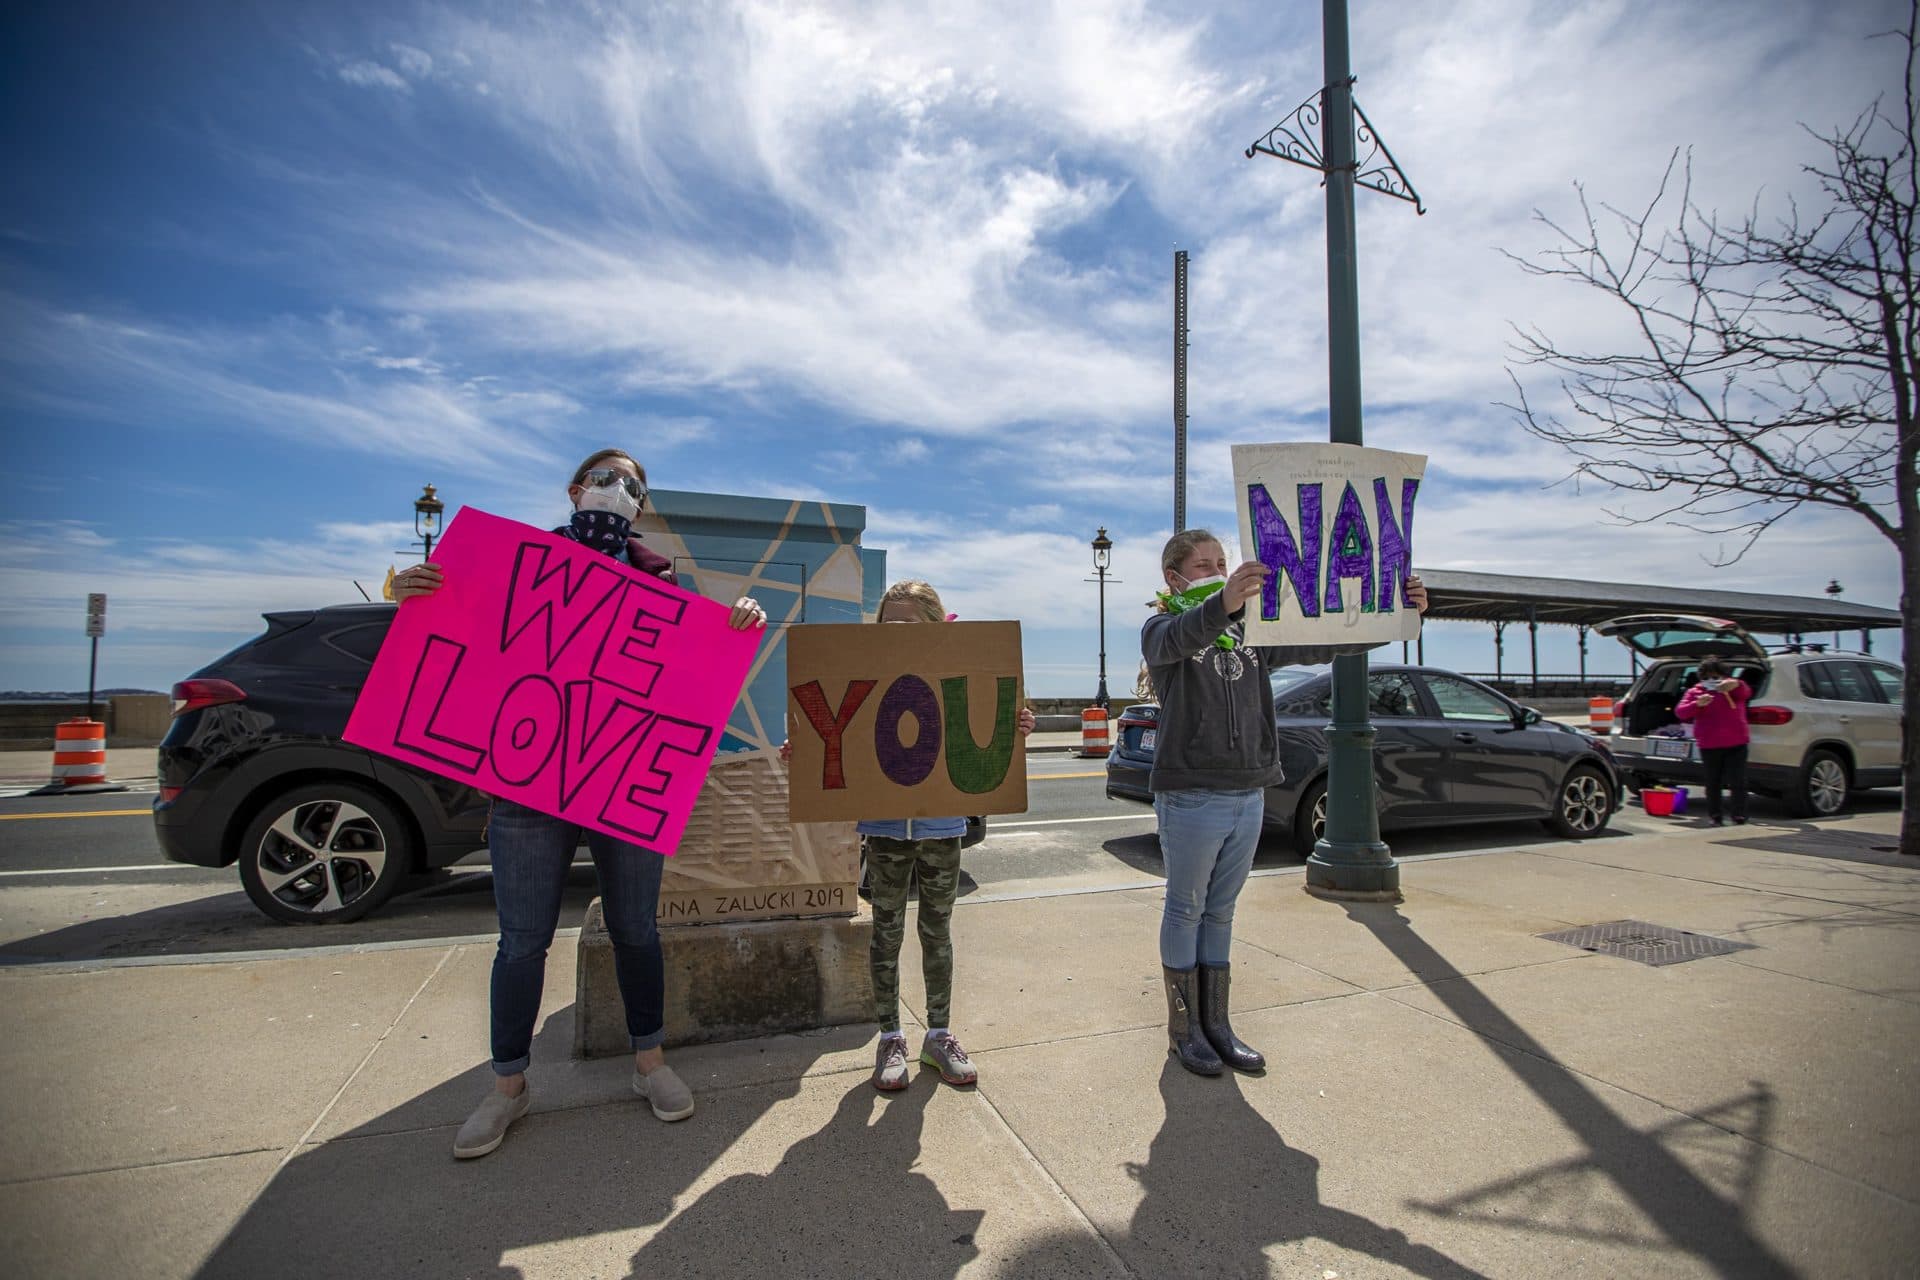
x=1529, y=717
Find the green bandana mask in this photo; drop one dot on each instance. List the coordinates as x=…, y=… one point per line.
x=1192, y=598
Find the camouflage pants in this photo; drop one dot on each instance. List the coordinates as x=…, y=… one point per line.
x=890, y=864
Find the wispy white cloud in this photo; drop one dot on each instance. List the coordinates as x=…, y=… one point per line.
x=373, y=75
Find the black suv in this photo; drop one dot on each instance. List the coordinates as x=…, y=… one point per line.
x=253, y=771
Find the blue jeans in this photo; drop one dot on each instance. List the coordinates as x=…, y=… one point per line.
x=532, y=854
x=1207, y=840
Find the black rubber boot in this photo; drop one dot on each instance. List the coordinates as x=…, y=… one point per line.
x=1183, y=1024
x=1236, y=1053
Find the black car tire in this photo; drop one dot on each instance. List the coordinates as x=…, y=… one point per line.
x=1582, y=805
x=367, y=847
x=1310, y=819
x=1821, y=789
x=1636, y=782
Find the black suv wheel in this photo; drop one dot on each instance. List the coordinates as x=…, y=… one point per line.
x=324, y=853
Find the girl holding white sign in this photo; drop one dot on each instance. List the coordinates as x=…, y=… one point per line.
x=1217, y=752
x=532, y=852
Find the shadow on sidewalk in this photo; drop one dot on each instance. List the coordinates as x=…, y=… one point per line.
x=1222, y=1187
x=844, y=1201
x=1691, y=1215
x=389, y=1199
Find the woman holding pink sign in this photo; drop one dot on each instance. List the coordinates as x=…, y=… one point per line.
x=532, y=852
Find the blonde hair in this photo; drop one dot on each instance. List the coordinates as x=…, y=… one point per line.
x=918, y=595
x=1181, y=545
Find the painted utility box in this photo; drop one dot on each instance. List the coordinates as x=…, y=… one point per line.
x=740, y=858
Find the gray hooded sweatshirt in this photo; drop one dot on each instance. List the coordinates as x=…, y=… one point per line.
x=1216, y=706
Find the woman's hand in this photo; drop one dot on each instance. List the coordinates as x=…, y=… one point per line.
x=1417, y=592
x=1026, y=721
x=747, y=613
x=1243, y=584
x=416, y=580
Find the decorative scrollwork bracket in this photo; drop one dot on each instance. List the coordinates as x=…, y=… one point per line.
x=1295, y=139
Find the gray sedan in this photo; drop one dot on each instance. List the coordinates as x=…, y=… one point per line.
x=1448, y=750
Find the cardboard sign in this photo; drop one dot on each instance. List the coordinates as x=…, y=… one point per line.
x=905, y=720
x=557, y=677
x=1335, y=524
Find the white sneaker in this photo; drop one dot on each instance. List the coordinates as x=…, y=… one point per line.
x=668, y=1093
x=486, y=1128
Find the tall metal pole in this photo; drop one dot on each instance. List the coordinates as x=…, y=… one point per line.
x=1350, y=861
x=1179, y=390
x=93, y=665
x=1101, y=699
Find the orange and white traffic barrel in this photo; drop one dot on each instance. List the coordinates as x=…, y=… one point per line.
x=1093, y=731
x=1600, y=716
x=79, y=758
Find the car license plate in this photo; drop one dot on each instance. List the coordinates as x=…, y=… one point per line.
x=1146, y=739
x=1673, y=748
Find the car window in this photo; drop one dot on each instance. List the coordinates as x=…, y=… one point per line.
x=1312, y=699
x=1814, y=682
x=1838, y=681
x=361, y=642
x=1462, y=701
x=1888, y=678
x=1391, y=694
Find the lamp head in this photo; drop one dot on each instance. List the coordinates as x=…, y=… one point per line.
x=1102, y=549
x=426, y=512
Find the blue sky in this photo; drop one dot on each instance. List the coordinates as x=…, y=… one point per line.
x=266, y=269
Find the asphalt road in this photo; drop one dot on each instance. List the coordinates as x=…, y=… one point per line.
x=82, y=878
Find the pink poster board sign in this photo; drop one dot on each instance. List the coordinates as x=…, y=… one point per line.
x=557, y=677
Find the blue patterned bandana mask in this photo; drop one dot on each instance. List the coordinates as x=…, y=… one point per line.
x=604, y=531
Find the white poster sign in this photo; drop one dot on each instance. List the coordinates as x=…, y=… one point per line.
x=1334, y=522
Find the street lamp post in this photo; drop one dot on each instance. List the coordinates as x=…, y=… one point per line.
x=426, y=520
x=1102, y=560
x=1833, y=590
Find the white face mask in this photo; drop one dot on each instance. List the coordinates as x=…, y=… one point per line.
x=613, y=498
x=1216, y=581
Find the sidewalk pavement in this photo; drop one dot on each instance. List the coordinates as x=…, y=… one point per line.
x=1450, y=1095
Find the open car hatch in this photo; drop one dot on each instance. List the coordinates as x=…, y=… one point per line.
x=1679, y=635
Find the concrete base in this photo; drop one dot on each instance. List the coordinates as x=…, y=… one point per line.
x=731, y=981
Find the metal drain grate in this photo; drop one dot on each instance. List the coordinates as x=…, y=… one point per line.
x=1653, y=944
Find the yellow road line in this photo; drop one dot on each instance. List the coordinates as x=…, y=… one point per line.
x=1048, y=777
x=78, y=813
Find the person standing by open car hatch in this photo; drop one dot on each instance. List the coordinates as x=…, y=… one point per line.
x=1717, y=706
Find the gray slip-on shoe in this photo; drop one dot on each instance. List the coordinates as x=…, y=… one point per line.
x=486, y=1128
x=671, y=1098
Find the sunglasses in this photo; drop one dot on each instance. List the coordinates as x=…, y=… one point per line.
x=603, y=477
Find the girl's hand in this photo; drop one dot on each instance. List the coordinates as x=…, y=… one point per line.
x=1026, y=721
x=416, y=580
x=747, y=613
x=786, y=752
x=1417, y=592
x=1243, y=584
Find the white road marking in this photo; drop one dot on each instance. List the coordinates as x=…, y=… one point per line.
x=994, y=824
x=94, y=871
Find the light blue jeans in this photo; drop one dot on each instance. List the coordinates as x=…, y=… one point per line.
x=1207, y=841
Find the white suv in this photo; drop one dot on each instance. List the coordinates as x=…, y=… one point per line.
x=1824, y=723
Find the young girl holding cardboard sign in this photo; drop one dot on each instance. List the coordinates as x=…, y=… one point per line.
x=897, y=850
x=1218, y=751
